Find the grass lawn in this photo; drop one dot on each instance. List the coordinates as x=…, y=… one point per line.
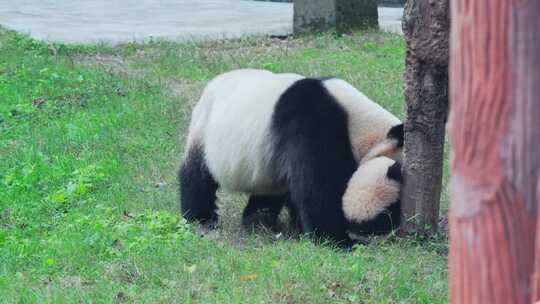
x=90, y=141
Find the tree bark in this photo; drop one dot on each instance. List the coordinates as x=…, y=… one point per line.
x=426, y=27
x=495, y=139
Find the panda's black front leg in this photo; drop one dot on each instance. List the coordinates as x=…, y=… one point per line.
x=262, y=210
x=314, y=156
x=322, y=222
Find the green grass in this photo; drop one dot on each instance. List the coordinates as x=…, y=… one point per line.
x=90, y=141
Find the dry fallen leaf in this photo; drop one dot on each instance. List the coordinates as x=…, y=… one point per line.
x=248, y=277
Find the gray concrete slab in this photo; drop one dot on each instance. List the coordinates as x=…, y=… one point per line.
x=114, y=21
x=390, y=19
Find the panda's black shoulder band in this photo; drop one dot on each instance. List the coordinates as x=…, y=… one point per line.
x=397, y=132
x=394, y=172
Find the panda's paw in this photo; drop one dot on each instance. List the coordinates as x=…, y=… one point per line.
x=346, y=245
x=210, y=223
x=259, y=220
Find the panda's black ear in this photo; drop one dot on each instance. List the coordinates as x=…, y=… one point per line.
x=397, y=132
x=394, y=172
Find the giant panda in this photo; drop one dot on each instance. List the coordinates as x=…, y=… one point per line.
x=371, y=203
x=278, y=138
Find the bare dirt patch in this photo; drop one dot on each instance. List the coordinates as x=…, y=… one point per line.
x=118, y=65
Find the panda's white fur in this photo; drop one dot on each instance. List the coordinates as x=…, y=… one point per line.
x=232, y=121
x=370, y=191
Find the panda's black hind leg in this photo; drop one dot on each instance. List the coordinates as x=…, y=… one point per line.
x=197, y=189
x=262, y=211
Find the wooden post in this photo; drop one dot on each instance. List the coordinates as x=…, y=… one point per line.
x=494, y=130
x=535, y=281
x=426, y=27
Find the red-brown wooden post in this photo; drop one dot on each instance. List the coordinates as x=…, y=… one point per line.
x=494, y=130
x=535, y=282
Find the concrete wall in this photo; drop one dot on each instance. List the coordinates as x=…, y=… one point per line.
x=343, y=15
x=354, y=14
x=312, y=15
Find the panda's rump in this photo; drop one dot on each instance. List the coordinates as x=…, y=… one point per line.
x=238, y=146
x=239, y=162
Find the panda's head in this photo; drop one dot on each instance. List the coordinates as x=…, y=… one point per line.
x=391, y=146
x=371, y=203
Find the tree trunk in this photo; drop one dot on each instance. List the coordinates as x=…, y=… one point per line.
x=495, y=140
x=426, y=27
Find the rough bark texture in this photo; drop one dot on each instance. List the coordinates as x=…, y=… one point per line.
x=495, y=140
x=342, y=15
x=426, y=27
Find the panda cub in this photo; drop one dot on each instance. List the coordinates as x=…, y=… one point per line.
x=282, y=138
x=371, y=203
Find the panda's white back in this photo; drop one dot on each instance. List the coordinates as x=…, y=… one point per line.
x=232, y=119
x=232, y=122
